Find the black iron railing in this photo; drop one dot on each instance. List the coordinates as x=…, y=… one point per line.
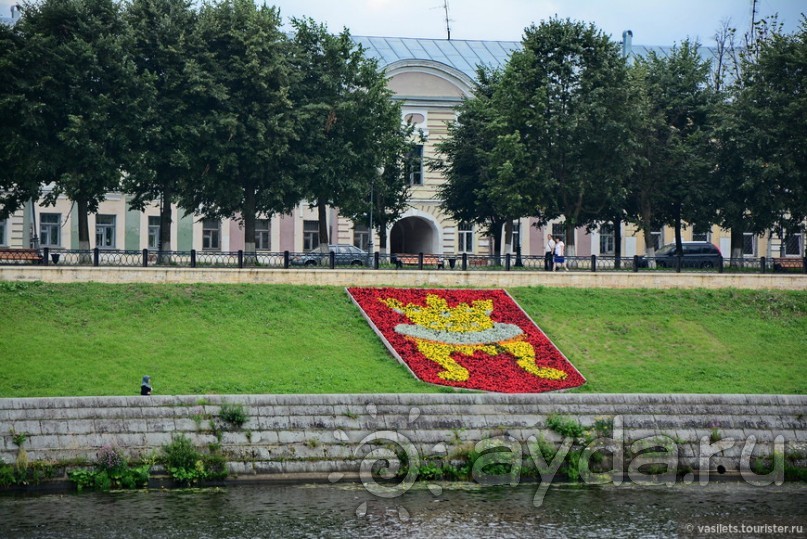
x=401, y=262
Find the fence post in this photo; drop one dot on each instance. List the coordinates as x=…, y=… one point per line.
x=145, y=258
x=720, y=265
x=420, y=261
x=762, y=263
x=593, y=263
x=804, y=264
x=240, y=259
x=193, y=258
x=285, y=260
x=96, y=257
x=464, y=261
x=635, y=263
x=332, y=259
x=507, y=262
x=45, y=255
x=376, y=259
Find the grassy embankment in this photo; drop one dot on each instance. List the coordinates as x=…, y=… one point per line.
x=96, y=339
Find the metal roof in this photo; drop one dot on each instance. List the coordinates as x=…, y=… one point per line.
x=464, y=55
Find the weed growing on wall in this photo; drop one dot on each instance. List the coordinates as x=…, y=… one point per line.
x=112, y=471
x=187, y=465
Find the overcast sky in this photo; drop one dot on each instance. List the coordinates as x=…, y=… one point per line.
x=653, y=22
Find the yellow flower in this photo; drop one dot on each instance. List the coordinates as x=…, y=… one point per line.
x=438, y=316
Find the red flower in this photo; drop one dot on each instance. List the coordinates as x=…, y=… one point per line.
x=442, y=343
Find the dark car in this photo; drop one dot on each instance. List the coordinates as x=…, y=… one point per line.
x=696, y=254
x=344, y=255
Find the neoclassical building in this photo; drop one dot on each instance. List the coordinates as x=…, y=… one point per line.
x=429, y=77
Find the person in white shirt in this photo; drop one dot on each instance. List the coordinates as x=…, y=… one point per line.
x=550, y=252
x=560, y=252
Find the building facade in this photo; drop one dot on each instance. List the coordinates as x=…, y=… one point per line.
x=429, y=78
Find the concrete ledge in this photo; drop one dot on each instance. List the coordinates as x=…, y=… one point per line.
x=437, y=278
x=320, y=434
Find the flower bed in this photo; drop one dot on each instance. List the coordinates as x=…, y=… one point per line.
x=473, y=339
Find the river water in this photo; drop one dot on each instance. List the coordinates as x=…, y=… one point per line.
x=452, y=510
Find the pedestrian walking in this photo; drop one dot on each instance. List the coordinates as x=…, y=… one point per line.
x=560, y=254
x=549, y=250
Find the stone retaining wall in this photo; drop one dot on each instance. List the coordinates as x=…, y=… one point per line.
x=439, y=278
x=321, y=434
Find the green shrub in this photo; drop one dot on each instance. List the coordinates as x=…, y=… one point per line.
x=233, y=414
x=111, y=471
x=565, y=426
x=186, y=465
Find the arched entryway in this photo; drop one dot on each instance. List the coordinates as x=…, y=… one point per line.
x=414, y=235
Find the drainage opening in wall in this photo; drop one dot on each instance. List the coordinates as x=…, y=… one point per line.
x=721, y=469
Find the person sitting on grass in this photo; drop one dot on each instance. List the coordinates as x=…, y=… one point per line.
x=145, y=385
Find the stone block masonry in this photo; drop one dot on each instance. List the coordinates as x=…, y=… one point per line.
x=435, y=278
x=322, y=434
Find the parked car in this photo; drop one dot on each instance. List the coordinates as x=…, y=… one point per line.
x=344, y=255
x=696, y=254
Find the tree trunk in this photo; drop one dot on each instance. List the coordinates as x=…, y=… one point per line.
x=164, y=241
x=83, y=225
x=508, y=237
x=647, y=218
x=496, y=236
x=617, y=243
x=83, y=232
x=382, y=238
x=322, y=217
x=679, y=249
x=249, y=220
x=571, y=249
x=736, y=246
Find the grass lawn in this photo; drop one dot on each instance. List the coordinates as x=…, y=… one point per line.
x=99, y=339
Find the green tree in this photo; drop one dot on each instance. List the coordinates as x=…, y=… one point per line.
x=162, y=34
x=761, y=144
x=390, y=190
x=670, y=179
x=347, y=125
x=243, y=117
x=81, y=95
x=18, y=179
x=478, y=161
x=565, y=100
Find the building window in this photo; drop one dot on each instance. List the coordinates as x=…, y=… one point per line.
x=466, y=237
x=310, y=235
x=607, y=239
x=701, y=234
x=793, y=245
x=105, y=231
x=211, y=234
x=414, y=166
x=49, y=229
x=658, y=239
x=559, y=229
x=154, y=232
x=361, y=237
x=749, y=244
x=263, y=234
x=3, y=232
